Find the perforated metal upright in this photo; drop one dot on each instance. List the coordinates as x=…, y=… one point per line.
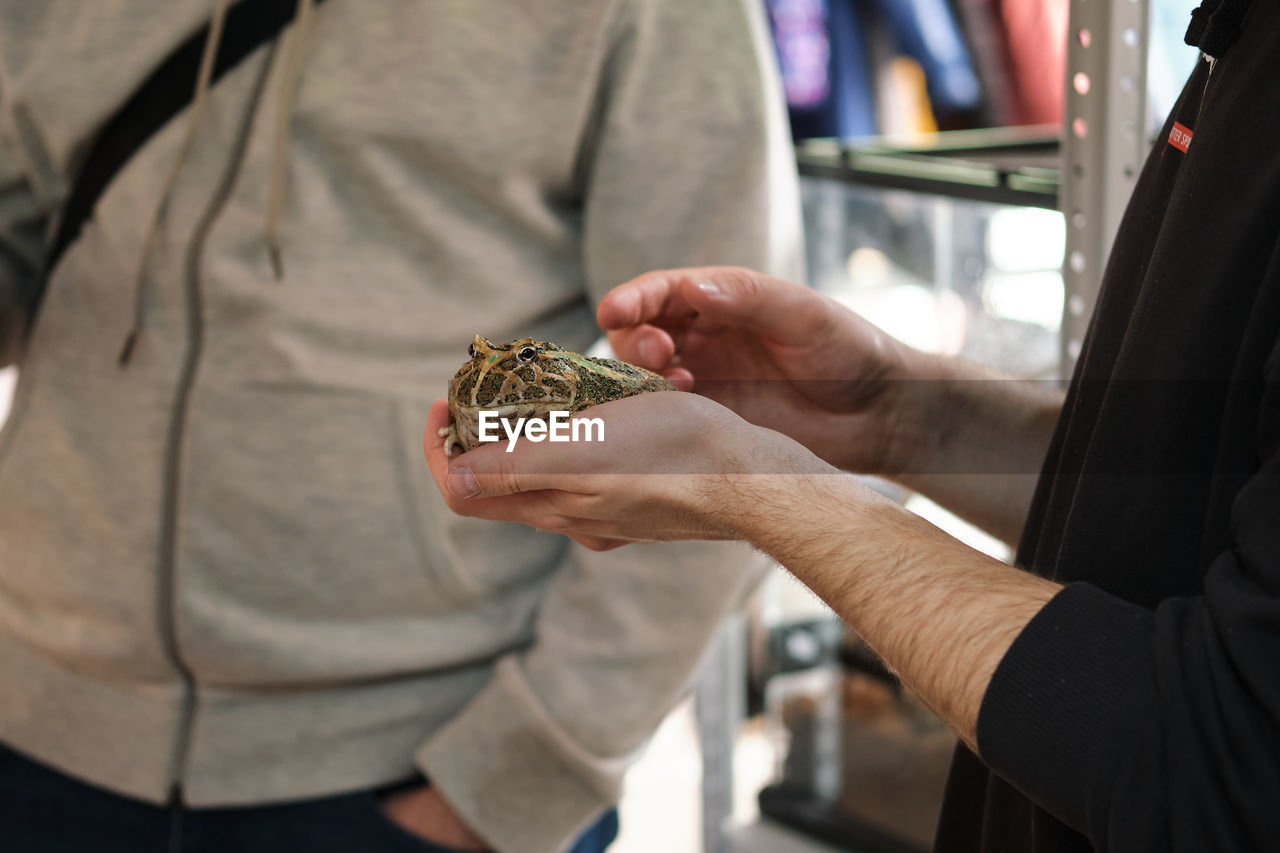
x=718, y=703
x=1104, y=145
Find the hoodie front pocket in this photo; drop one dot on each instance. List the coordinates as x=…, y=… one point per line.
x=299, y=552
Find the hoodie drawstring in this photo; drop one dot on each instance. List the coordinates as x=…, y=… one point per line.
x=141, y=285
x=299, y=41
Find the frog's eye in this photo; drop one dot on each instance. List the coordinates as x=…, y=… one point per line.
x=471, y=350
x=526, y=354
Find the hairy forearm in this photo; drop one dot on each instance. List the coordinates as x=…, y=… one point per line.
x=940, y=614
x=972, y=440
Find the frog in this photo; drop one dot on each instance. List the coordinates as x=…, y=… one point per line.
x=530, y=379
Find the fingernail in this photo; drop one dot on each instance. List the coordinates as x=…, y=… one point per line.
x=463, y=483
x=707, y=287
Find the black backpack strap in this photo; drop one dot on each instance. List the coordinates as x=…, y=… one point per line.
x=165, y=93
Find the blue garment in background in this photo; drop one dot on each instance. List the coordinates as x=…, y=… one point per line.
x=822, y=56
x=824, y=70
x=927, y=31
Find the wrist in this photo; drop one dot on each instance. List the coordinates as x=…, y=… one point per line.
x=792, y=513
x=914, y=411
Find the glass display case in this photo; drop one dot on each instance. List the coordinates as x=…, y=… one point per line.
x=952, y=249
x=957, y=249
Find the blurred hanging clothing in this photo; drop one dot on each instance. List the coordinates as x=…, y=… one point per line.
x=1035, y=35
x=985, y=62
x=830, y=76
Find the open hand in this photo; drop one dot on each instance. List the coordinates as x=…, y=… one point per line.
x=779, y=354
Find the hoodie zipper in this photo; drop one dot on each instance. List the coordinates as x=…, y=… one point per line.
x=167, y=581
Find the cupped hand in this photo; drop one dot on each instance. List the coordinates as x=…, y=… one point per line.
x=671, y=466
x=780, y=355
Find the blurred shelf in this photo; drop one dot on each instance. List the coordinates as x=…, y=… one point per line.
x=769, y=837
x=826, y=823
x=1008, y=165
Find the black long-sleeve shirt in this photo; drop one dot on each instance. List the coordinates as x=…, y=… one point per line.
x=1140, y=709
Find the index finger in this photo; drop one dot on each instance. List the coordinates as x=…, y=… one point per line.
x=648, y=298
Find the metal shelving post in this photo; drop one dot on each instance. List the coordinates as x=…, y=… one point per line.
x=718, y=704
x=1104, y=144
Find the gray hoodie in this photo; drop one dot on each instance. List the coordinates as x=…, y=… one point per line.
x=225, y=574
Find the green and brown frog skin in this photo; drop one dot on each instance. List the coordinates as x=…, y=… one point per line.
x=528, y=378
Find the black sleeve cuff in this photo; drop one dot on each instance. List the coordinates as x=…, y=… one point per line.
x=1066, y=699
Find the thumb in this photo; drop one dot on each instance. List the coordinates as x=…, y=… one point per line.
x=784, y=312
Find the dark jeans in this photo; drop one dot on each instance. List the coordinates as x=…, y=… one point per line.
x=43, y=811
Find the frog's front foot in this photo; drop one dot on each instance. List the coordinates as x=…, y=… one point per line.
x=451, y=439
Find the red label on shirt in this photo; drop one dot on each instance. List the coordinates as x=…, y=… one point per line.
x=1180, y=137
